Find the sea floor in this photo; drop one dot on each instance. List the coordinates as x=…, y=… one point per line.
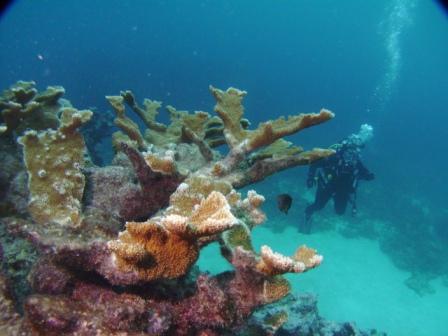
x=356, y=282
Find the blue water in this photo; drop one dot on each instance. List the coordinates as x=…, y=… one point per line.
x=381, y=62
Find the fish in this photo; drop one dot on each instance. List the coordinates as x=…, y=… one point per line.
x=284, y=202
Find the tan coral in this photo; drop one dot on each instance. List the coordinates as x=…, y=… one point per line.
x=21, y=92
x=233, y=198
x=270, y=131
x=230, y=109
x=151, y=111
x=148, y=114
x=308, y=256
x=50, y=96
x=22, y=107
x=279, y=148
x=54, y=160
x=212, y=216
x=184, y=126
x=196, y=122
x=274, y=263
x=254, y=199
x=129, y=127
x=192, y=191
x=161, y=164
x=119, y=138
x=251, y=205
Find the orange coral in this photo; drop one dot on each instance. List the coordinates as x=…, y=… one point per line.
x=166, y=246
x=153, y=252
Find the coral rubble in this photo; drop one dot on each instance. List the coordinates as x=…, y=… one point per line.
x=118, y=243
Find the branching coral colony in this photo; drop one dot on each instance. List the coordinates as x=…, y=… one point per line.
x=175, y=194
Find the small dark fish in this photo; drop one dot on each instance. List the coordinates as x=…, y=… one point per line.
x=284, y=202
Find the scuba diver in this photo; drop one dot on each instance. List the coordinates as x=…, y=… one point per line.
x=337, y=176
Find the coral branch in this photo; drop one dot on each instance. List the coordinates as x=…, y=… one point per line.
x=273, y=263
x=53, y=160
x=22, y=108
x=230, y=109
x=266, y=167
x=129, y=127
x=270, y=131
x=212, y=216
x=148, y=115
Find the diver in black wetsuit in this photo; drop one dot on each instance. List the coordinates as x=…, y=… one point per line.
x=337, y=177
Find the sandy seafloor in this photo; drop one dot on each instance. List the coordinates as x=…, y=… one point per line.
x=356, y=282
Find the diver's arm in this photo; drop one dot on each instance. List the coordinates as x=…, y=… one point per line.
x=363, y=172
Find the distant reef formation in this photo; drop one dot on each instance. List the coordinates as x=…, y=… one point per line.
x=111, y=250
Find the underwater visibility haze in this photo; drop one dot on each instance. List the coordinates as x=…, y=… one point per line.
x=224, y=167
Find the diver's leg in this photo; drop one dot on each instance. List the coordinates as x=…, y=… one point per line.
x=322, y=197
x=340, y=202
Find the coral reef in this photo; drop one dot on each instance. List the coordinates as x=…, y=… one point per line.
x=118, y=243
x=54, y=160
x=298, y=315
x=16, y=259
x=23, y=107
x=10, y=320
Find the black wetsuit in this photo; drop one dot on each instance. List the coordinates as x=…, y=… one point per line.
x=337, y=177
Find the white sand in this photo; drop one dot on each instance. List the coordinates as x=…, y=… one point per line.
x=356, y=282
